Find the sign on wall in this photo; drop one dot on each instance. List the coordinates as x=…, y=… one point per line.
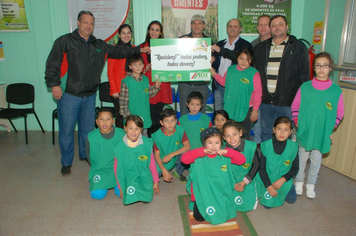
x=13, y=16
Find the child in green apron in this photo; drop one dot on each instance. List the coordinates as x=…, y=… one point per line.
x=170, y=142
x=212, y=179
x=220, y=118
x=279, y=166
x=243, y=90
x=317, y=109
x=100, y=153
x=134, y=166
x=245, y=195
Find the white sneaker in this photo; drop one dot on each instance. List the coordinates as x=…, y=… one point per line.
x=299, y=188
x=310, y=190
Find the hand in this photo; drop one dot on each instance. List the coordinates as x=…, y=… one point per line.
x=331, y=137
x=222, y=152
x=158, y=84
x=116, y=95
x=167, y=176
x=278, y=183
x=147, y=68
x=215, y=48
x=57, y=92
x=212, y=71
x=212, y=60
x=254, y=115
x=272, y=191
x=240, y=186
x=121, y=193
x=156, y=189
x=145, y=50
x=167, y=158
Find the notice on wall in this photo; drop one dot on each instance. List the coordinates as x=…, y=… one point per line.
x=318, y=31
x=2, y=55
x=177, y=60
x=250, y=10
x=13, y=16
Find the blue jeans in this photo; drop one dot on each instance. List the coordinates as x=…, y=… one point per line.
x=269, y=113
x=70, y=110
x=219, y=98
x=184, y=90
x=257, y=129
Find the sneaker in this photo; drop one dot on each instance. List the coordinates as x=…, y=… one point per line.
x=299, y=188
x=65, y=170
x=310, y=190
x=175, y=174
x=181, y=178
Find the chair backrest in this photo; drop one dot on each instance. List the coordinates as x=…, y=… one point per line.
x=104, y=92
x=20, y=93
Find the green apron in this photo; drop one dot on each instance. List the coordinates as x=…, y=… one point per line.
x=245, y=200
x=317, y=116
x=193, y=129
x=276, y=167
x=213, y=187
x=139, y=103
x=133, y=171
x=238, y=90
x=101, y=174
x=168, y=144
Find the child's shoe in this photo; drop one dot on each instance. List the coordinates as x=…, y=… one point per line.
x=299, y=188
x=181, y=178
x=310, y=190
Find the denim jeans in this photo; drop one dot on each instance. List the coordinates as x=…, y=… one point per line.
x=70, y=110
x=219, y=98
x=269, y=113
x=315, y=163
x=257, y=129
x=184, y=90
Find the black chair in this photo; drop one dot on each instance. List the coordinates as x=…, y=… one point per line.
x=104, y=95
x=54, y=116
x=20, y=94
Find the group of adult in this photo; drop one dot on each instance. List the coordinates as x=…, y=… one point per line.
x=281, y=59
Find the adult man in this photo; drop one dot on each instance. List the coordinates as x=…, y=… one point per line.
x=86, y=57
x=197, y=26
x=283, y=63
x=262, y=29
x=225, y=55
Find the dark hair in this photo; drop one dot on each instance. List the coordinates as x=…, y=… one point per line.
x=195, y=95
x=104, y=109
x=327, y=56
x=211, y=132
x=234, y=19
x=282, y=120
x=277, y=16
x=81, y=13
x=135, y=58
x=168, y=112
x=136, y=119
x=248, y=52
x=232, y=123
x=263, y=15
x=155, y=22
x=123, y=27
x=223, y=113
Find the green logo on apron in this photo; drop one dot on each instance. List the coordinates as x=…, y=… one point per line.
x=224, y=168
x=210, y=210
x=267, y=195
x=238, y=200
x=96, y=178
x=131, y=190
x=143, y=158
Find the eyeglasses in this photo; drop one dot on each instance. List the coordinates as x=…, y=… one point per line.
x=321, y=66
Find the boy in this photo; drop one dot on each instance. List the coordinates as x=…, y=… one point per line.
x=136, y=91
x=99, y=146
x=194, y=122
x=170, y=142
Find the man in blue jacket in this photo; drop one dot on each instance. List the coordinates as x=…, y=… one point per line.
x=225, y=55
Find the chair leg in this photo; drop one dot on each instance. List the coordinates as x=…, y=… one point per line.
x=26, y=138
x=53, y=138
x=38, y=120
x=13, y=126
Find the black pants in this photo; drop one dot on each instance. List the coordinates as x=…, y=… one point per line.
x=155, y=110
x=247, y=125
x=119, y=120
x=196, y=214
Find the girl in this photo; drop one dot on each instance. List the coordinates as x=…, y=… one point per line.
x=117, y=69
x=317, y=109
x=243, y=92
x=245, y=195
x=220, y=118
x=279, y=165
x=155, y=31
x=134, y=167
x=212, y=180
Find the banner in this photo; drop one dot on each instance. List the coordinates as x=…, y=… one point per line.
x=250, y=10
x=176, y=16
x=13, y=16
x=177, y=60
x=109, y=15
x=318, y=31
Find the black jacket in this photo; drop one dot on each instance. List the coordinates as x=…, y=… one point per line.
x=85, y=62
x=293, y=70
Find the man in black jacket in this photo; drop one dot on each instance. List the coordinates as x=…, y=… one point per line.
x=83, y=57
x=283, y=63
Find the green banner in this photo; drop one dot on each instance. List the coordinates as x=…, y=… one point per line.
x=177, y=60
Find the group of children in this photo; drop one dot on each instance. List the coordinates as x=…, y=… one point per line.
x=227, y=173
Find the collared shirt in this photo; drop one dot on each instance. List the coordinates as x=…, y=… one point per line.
x=225, y=62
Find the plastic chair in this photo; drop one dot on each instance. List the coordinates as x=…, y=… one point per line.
x=104, y=95
x=20, y=94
